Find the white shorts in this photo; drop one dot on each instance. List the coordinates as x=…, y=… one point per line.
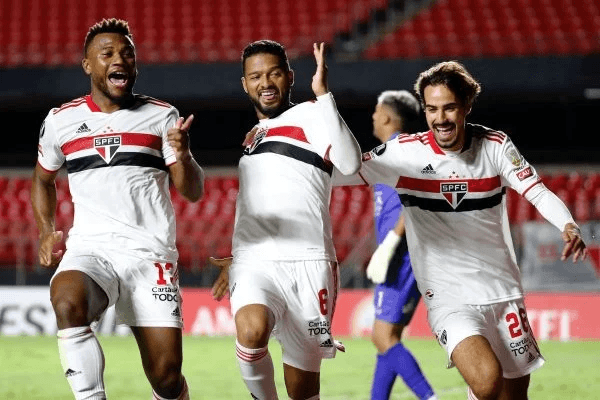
x=301, y=295
x=504, y=325
x=145, y=292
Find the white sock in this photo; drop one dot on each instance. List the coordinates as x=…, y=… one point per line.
x=184, y=395
x=256, y=368
x=83, y=362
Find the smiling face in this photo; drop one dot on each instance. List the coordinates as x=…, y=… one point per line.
x=267, y=83
x=446, y=116
x=110, y=62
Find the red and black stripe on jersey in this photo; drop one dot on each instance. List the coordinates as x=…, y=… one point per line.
x=289, y=150
x=441, y=204
x=121, y=158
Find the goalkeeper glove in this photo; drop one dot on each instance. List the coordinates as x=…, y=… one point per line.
x=380, y=260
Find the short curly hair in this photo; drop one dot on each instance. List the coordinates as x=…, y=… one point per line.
x=454, y=76
x=266, y=46
x=111, y=25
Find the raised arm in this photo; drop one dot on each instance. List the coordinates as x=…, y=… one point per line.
x=345, y=152
x=186, y=174
x=43, y=202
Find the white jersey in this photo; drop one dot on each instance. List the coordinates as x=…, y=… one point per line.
x=454, y=206
x=118, y=176
x=282, y=209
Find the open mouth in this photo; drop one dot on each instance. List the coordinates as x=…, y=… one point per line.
x=445, y=130
x=268, y=95
x=119, y=79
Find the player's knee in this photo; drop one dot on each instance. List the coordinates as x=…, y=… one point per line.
x=488, y=385
x=252, y=332
x=165, y=376
x=383, y=340
x=69, y=312
x=253, y=336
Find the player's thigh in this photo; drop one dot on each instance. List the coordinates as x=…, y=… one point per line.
x=257, y=299
x=476, y=361
x=301, y=384
x=82, y=287
x=160, y=349
x=305, y=329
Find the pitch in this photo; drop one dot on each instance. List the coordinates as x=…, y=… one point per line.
x=30, y=369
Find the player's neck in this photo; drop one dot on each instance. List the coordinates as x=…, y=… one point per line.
x=108, y=105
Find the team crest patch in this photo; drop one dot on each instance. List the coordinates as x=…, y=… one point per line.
x=514, y=157
x=454, y=192
x=107, y=146
x=256, y=139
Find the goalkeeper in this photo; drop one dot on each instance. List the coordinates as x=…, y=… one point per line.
x=396, y=295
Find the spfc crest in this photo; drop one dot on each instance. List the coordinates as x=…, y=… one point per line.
x=454, y=192
x=107, y=146
x=258, y=137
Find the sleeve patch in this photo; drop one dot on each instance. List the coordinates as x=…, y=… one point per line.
x=524, y=174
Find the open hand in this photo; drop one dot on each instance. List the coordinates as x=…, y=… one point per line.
x=221, y=286
x=179, y=138
x=319, y=80
x=573, y=243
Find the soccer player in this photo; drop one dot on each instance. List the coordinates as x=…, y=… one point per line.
x=396, y=296
x=120, y=149
x=284, y=276
x=452, y=182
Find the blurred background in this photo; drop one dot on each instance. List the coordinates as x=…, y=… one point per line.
x=538, y=62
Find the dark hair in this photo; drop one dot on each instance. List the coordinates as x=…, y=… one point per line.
x=454, y=76
x=111, y=25
x=405, y=106
x=268, y=47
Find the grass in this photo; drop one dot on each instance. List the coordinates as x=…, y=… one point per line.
x=30, y=369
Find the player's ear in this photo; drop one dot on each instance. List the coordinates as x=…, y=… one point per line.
x=291, y=77
x=244, y=85
x=85, y=63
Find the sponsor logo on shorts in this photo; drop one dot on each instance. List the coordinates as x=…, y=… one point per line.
x=176, y=312
x=444, y=338
x=327, y=343
x=526, y=173
x=521, y=347
x=319, y=328
x=162, y=293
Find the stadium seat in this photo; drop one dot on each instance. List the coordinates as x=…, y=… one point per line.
x=172, y=31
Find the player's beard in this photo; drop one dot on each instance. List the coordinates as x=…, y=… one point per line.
x=274, y=109
x=122, y=99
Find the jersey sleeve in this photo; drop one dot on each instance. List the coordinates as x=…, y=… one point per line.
x=515, y=171
x=50, y=155
x=331, y=137
x=167, y=150
x=522, y=177
x=379, y=165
